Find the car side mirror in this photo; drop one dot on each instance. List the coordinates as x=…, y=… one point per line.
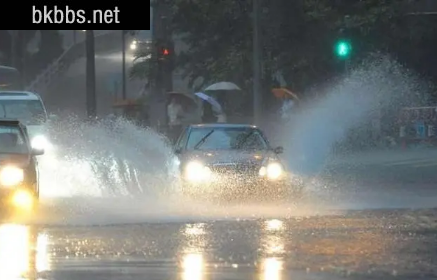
x=278, y=150
x=37, y=152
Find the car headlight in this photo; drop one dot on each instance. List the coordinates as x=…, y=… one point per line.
x=23, y=199
x=39, y=142
x=272, y=171
x=11, y=176
x=196, y=171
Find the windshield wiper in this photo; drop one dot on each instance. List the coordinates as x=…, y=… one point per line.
x=243, y=141
x=203, y=139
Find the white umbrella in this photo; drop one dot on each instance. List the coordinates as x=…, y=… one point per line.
x=215, y=105
x=223, y=86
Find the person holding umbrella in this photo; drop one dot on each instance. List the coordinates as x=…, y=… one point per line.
x=289, y=100
x=174, y=113
x=213, y=111
x=219, y=102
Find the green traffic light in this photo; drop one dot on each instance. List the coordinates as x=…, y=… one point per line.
x=343, y=49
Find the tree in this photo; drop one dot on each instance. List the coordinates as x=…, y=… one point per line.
x=22, y=39
x=297, y=38
x=30, y=64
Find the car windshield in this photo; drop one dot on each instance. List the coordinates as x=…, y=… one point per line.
x=12, y=140
x=227, y=138
x=29, y=112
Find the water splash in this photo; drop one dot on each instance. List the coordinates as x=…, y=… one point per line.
x=116, y=172
x=100, y=164
x=379, y=83
x=105, y=158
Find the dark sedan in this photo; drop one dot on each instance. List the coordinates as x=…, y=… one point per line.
x=19, y=185
x=235, y=159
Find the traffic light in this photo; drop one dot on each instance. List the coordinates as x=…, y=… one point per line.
x=165, y=56
x=164, y=52
x=343, y=49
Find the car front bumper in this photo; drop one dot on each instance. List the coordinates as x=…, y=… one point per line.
x=236, y=186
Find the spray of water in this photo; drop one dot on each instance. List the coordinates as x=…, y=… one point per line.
x=108, y=158
x=109, y=172
x=378, y=84
x=116, y=172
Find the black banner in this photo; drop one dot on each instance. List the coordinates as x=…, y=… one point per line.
x=80, y=15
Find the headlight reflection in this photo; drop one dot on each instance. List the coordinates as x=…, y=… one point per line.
x=22, y=252
x=42, y=257
x=274, y=225
x=194, y=229
x=272, y=269
x=193, y=265
x=194, y=243
x=272, y=249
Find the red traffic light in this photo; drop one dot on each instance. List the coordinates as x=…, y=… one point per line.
x=165, y=52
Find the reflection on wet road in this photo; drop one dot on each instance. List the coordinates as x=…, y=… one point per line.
x=377, y=243
x=23, y=252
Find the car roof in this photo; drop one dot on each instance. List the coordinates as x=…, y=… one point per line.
x=18, y=95
x=222, y=125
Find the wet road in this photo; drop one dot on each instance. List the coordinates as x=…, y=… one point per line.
x=357, y=244
x=360, y=244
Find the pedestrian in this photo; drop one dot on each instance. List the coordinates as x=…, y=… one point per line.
x=208, y=113
x=175, y=113
x=287, y=106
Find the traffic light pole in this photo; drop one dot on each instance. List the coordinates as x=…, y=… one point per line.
x=90, y=75
x=162, y=78
x=123, y=77
x=256, y=64
x=13, y=61
x=347, y=66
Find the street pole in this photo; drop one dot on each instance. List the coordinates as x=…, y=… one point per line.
x=123, y=77
x=162, y=81
x=347, y=66
x=90, y=75
x=13, y=48
x=23, y=54
x=256, y=64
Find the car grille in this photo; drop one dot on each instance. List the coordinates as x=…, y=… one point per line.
x=236, y=169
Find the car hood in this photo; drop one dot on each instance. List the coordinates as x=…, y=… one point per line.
x=14, y=159
x=212, y=157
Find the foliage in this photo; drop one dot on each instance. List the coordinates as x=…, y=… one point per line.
x=297, y=38
x=31, y=64
x=143, y=66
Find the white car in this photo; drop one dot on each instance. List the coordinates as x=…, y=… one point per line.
x=29, y=109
